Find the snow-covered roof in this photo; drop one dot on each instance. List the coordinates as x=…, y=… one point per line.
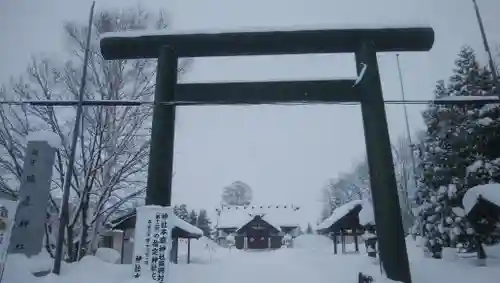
x=365, y=215
x=268, y=220
x=235, y=216
x=47, y=136
x=187, y=226
x=490, y=192
x=338, y=213
x=178, y=222
x=213, y=30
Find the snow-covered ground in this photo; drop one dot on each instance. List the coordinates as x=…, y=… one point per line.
x=311, y=260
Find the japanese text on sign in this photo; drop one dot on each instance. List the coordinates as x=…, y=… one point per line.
x=162, y=247
x=152, y=243
x=154, y=252
x=137, y=266
x=148, y=243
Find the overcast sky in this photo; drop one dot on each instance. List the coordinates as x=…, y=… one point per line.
x=285, y=153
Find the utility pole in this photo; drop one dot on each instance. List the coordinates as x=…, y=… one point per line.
x=408, y=133
x=487, y=48
x=64, y=213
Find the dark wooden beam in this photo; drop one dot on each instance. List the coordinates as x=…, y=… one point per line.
x=335, y=249
x=138, y=45
x=356, y=244
x=161, y=152
x=268, y=92
x=393, y=255
x=189, y=251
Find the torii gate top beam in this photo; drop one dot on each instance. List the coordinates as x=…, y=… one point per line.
x=135, y=45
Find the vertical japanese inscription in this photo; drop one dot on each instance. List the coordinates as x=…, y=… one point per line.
x=154, y=250
x=137, y=266
x=29, y=227
x=164, y=251
x=147, y=240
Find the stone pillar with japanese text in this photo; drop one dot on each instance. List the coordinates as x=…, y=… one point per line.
x=152, y=242
x=29, y=228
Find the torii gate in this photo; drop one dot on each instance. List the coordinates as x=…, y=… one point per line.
x=365, y=43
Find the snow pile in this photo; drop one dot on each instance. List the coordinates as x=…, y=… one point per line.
x=50, y=137
x=313, y=242
x=427, y=270
x=108, y=255
x=20, y=268
x=40, y=262
x=91, y=269
x=492, y=251
x=490, y=192
x=16, y=270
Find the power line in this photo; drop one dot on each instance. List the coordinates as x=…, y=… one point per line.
x=114, y=103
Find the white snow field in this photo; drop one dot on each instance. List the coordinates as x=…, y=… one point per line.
x=311, y=261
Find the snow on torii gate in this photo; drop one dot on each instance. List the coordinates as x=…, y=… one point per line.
x=364, y=42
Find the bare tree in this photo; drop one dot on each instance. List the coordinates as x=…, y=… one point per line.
x=238, y=193
x=405, y=176
x=356, y=184
x=110, y=171
x=345, y=188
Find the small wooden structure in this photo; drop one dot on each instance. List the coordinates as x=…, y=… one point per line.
x=258, y=234
x=370, y=238
x=345, y=222
x=485, y=218
x=182, y=230
x=257, y=227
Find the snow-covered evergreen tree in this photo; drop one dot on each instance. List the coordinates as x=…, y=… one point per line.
x=182, y=212
x=176, y=210
x=309, y=229
x=435, y=172
x=193, y=217
x=455, y=140
x=203, y=222
x=478, y=136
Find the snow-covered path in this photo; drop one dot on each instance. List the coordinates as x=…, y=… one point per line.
x=251, y=267
x=315, y=263
x=310, y=261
